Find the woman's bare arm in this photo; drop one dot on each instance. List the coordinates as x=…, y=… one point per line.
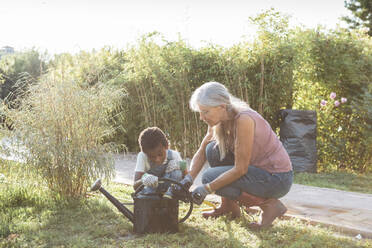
x=243, y=151
x=199, y=158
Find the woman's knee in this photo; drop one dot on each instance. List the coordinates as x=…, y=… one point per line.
x=209, y=175
x=212, y=173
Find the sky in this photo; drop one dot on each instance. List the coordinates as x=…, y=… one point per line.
x=59, y=26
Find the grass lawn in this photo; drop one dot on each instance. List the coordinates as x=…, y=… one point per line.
x=337, y=180
x=29, y=217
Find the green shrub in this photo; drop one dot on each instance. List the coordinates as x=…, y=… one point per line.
x=160, y=77
x=337, y=61
x=281, y=68
x=18, y=70
x=61, y=126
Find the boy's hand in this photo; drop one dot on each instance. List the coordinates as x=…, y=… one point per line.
x=149, y=180
x=172, y=165
x=176, y=165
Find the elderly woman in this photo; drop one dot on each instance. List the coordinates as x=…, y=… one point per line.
x=248, y=164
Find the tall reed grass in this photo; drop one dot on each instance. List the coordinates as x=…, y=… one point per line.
x=62, y=125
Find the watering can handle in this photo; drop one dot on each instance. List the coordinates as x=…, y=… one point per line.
x=188, y=194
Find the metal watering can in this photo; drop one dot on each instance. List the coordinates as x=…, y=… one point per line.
x=152, y=212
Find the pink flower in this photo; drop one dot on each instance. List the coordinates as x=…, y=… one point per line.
x=343, y=99
x=332, y=95
x=337, y=103
x=323, y=103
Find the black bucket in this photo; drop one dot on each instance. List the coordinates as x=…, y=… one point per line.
x=155, y=215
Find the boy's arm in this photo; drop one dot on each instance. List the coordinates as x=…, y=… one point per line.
x=137, y=179
x=139, y=170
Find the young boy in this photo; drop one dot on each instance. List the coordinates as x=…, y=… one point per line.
x=155, y=161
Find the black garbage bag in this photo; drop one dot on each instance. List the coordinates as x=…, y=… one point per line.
x=298, y=135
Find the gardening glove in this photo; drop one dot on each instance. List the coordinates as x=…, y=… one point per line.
x=199, y=194
x=149, y=180
x=172, y=165
x=176, y=165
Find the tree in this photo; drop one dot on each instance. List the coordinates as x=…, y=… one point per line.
x=19, y=69
x=362, y=14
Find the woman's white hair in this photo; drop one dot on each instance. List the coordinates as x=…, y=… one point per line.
x=213, y=94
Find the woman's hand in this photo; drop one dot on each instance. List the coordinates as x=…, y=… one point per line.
x=199, y=194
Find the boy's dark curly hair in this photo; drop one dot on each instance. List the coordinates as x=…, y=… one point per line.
x=151, y=137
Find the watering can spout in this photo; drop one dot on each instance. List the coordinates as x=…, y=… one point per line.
x=97, y=185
